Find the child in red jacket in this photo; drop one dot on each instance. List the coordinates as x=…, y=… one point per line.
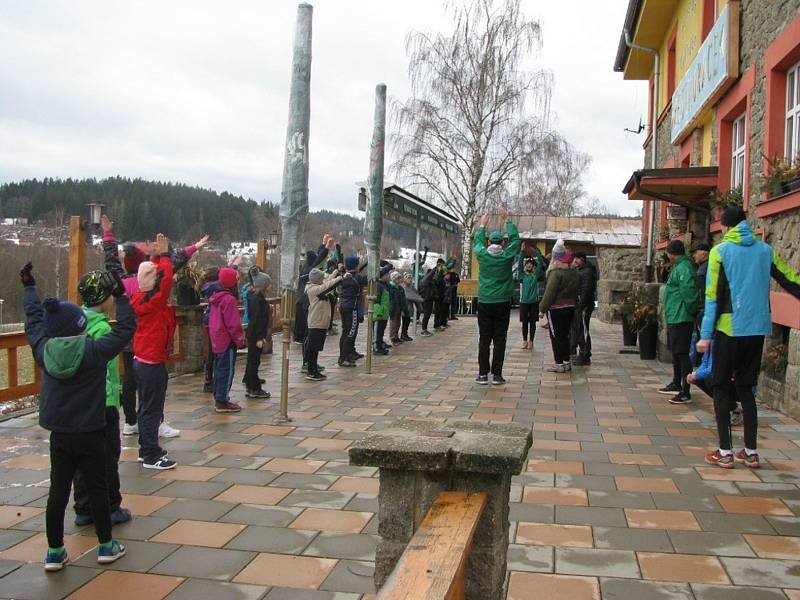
x=152, y=344
x=227, y=335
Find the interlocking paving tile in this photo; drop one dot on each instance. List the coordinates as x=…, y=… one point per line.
x=195, y=589
x=636, y=589
x=206, y=563
x=682, y=568
x=127, y=586
x=596, y=563
x=303, y=572
x=31, y=582
x=530, y=586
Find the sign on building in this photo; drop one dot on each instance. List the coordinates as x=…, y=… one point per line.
x=710, y=74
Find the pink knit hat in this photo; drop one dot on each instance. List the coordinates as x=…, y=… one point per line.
x=146, y=277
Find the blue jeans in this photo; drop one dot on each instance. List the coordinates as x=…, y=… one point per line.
x=224, y=368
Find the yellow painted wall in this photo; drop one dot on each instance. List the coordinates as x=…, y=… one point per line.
x=689, y=19
x=708, y=127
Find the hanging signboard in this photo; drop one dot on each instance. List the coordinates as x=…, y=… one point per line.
x=712, y=72
x=402, y=207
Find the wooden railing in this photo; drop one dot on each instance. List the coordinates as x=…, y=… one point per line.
x=433, y=566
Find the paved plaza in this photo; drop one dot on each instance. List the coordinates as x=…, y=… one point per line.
x=616, y=502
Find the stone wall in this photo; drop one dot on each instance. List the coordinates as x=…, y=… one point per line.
x=619, y=268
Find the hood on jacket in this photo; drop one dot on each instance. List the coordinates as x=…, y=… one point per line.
x=210, y=288
x=494, y=249
x=742, y=235
x=94, y=320
x=311, y=258
x=63, y=356
x=219, y=295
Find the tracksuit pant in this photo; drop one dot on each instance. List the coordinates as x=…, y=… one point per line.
x=151, y=381
x=112, y=450
x=347, y=340
x=224, y=369
x=493, y=322
x=560, y=328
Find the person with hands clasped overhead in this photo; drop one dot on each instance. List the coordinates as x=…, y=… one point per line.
x=495, y=291
x=72, y=405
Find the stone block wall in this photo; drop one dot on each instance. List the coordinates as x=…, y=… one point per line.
x=619, y=268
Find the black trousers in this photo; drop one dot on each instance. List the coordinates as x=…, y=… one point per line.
x=737, y=362
x=380, y=330
x=70, y=453
x=583, y=339
x=427, y=310
x=528, y=315
x=440, y=315
x=112, y=450
x=560, y=328
x=252, y=381
x=679, y=338
x=300, y=323
x=151, y=381
x=405, y=321
x=129, y=389
x=493, y=322
x=315, y=343
x=347, y=340
x=333, y=311
x=453, y=303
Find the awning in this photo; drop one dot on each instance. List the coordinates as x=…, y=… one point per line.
x=691, y=187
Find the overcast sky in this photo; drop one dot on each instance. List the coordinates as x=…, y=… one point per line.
x=197, y=91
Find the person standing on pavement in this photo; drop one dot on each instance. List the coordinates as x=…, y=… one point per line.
x=584, y=309
x=227, y=336
x=258, y=332
x=700, y=257
x=737, y=316
x=454, y=281
x=680, y=310
x=530, y=271
x=319, y=309
x=350, y=302
x=495, y=292
x=558, y=303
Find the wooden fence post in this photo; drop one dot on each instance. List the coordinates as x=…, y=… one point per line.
x=261, y=255
x=77, y=257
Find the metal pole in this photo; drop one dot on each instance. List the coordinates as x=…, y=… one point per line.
x=294, y=190
x=373, y=221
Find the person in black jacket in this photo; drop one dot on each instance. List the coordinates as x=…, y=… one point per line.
x=427, y=290
x=441, y=309
x=312, y=261
x=454, y=281
x=351, y=300
x=72, y=406
x=700, y=257
x=584, y=309
x=258, y=332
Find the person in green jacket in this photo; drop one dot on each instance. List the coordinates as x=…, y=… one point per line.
x=380, y=311
x=530, y=271
x=680, y=310
x=95, y=291
x=495, y=292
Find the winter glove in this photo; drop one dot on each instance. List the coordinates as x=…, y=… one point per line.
x=26, y=275
x=112, y=283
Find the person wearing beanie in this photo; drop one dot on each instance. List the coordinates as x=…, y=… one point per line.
x=351, y=290
x=312, y=261
x=72, y=406
x=259, y=333
x=562, y=284
x=319, y=316
x=411, y=299
x=495, y=292
x=129, y=277
x=530, y=270
x=700, y=252
x=397, y=300
x=227, y=336
x=427, y=289
x=380, y=310
x=737, y=316
x=581, y=342
x=453, y=285
x=680, y=309
x=95, y=289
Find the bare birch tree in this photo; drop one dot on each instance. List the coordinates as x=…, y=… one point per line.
x=462, y=133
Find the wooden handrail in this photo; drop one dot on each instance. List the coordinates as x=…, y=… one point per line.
x=433, y=566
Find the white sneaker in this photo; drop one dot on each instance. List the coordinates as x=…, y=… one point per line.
x=166, y=431
x=130, y=429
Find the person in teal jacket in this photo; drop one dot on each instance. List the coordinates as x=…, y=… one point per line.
x=737, y=316
x=680, y=310
x=94, y=289
x=495, y=292
x=530, y=271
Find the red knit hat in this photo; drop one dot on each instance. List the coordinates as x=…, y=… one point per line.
x=133, y=259
x=228, y=277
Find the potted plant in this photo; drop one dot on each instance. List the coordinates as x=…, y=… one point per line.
x=782, y=176
x=626, y=312
x=644, y=321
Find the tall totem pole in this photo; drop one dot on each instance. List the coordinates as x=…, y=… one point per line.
x=294, y=190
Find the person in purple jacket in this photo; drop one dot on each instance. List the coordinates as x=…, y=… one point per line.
x=227, y=335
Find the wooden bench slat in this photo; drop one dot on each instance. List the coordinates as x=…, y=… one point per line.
x=432, y=566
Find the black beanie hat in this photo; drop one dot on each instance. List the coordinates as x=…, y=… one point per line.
x=676, y=248
x=732, y=216
x=63, y=319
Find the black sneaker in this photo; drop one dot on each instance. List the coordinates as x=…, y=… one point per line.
x=208, y=388
x=482, y=380
x=346, y=363
x=162, y=464
x=454, y=318
x=358, y=355
x=425, y=333
x=263, y=395
x=406, y=338
x=316, y=377
x=498, y=380
x=581, y=361
x=670, y=389
x=681, y=399
x=227, y=407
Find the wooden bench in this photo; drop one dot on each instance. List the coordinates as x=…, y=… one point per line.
x=433, y=566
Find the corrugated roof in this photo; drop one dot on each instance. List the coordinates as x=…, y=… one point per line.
x=600, y=231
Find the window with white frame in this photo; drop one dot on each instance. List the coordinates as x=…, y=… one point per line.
x=738, y=137
x=792, y=113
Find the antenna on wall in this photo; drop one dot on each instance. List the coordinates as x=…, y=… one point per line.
x=638, y=130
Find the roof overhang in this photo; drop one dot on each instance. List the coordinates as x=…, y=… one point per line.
x=647, y=23
x=691, y=187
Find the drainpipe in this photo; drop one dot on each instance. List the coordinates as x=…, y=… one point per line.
x=654, y=152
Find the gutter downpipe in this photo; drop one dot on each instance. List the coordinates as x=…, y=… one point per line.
x=654, y=152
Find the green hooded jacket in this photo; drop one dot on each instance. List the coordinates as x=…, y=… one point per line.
x=681, y=294
x=529, y=282
x=97, y=325
x=496, y=279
